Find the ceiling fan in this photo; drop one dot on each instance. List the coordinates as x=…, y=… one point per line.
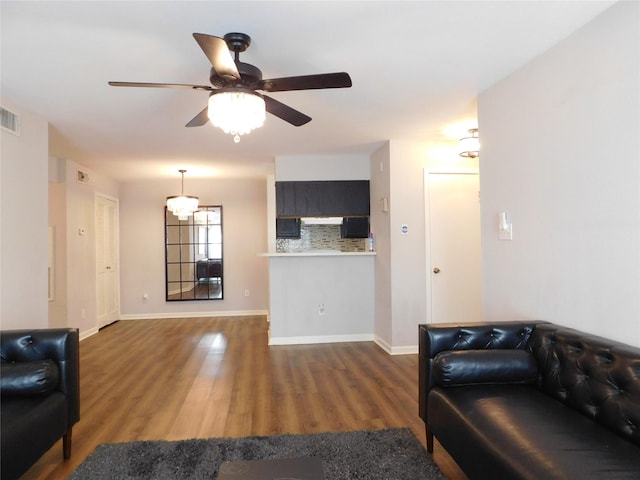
x=234, y=80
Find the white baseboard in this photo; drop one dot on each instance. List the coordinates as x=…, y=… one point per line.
x=88, y=333
x=405, y=350
x=155, y=316
x=320, y=339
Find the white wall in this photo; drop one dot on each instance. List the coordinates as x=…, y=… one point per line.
x=401, y=258
x=82, y=307
x=58, y=222
x=71, y=207
x=407, y=250
x=318, y=299
x=24, y=169
x=561, y=154
x=380, y=227
x=142, y=257
x=321, y=167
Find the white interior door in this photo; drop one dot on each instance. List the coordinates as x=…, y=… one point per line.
x=452, y=208
x=108, y=301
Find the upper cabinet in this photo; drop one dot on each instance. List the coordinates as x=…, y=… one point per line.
x=287, y=228
x=339, y=198
x=354, y=227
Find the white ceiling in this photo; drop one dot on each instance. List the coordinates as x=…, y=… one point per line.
x=416, y=66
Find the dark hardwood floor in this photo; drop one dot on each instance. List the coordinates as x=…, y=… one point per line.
x=175, y=379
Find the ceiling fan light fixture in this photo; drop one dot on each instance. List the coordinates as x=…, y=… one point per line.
x=236, y=111
x=182, y=206
x=470, y=146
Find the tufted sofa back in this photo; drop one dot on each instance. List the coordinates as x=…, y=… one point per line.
x=598, y=377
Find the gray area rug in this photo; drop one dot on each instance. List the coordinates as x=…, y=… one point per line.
x=365, y=454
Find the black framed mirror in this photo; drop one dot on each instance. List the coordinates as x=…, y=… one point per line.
x=193, y=255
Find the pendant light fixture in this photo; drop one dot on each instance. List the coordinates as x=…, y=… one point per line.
x=182, y=206
x=470, y=146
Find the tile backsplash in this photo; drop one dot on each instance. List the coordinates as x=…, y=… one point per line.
x=320, y=237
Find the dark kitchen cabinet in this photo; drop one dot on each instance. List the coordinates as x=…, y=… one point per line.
x=356, y=227
x=338, y=198
x=287, y=228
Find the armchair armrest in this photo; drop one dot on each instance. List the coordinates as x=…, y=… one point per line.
x=58, y=344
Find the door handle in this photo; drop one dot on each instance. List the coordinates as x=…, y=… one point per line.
x=436, y=270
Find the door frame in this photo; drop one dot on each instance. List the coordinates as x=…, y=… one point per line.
x=427, y=225
x=117, y=249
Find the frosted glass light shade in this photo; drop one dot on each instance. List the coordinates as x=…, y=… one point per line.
x=182, y=206
x=236, y=111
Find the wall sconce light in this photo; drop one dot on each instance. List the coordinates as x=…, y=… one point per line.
x=470, y=146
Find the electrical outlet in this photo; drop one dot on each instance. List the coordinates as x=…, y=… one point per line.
x=321, y=309
x=246, y=292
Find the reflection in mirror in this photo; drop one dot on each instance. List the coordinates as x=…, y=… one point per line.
x=193, y=254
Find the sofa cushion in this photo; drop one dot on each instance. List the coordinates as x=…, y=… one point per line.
x=469, y=367
x=28, y=378
x=517, y=431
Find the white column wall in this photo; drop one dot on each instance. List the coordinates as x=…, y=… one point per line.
x=24, y=172
x=561, y=155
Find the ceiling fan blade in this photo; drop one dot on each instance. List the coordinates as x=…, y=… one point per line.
x=217, y=51
x=160, y=85
x=306, y=82
x=199, y=120
x=285, y=112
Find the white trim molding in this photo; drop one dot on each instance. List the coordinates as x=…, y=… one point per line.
x=155, y=316
x=320, y=339
x=404, y=350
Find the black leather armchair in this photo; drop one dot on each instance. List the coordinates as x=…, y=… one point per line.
x=40, y=388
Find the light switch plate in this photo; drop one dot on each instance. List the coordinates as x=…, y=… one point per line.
x=506, y=233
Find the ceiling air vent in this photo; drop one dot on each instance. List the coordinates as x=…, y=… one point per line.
x=10, y=121
x=83, y=177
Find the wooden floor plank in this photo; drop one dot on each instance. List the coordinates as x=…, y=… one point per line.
x=174, y=379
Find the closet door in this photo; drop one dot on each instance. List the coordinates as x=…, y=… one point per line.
x=452, y=209
x=108, y=299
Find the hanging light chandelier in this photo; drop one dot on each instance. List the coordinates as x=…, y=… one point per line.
x=236, y=111
x=206, y=217
x=182, y=206
x=470, y=146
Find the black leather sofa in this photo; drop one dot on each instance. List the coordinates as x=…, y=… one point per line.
x=40, y=391
x=530, y=400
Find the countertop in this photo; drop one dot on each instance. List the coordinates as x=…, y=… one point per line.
x=319, y=253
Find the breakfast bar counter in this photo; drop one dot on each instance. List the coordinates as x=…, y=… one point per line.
x=319, y=253
x=321, y=296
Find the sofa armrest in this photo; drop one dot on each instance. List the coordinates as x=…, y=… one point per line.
x=58, y=344
x=439, y=337
x=490, y=366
